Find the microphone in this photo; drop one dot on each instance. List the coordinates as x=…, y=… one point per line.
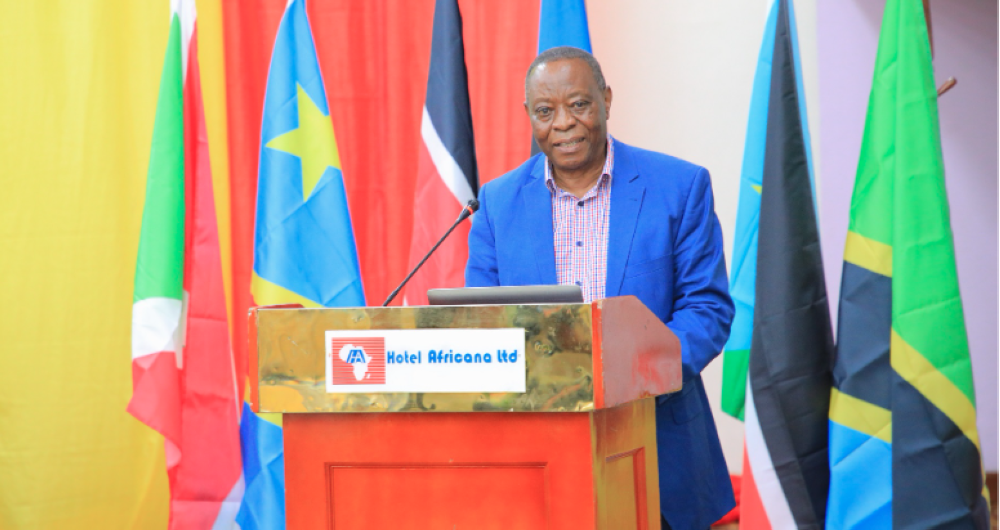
x=469, y=209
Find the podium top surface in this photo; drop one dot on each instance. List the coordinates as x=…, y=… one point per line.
x=574, y=357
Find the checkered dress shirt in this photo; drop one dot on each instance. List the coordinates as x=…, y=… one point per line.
x=581, y=231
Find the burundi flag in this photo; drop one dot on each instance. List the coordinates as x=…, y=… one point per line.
x=184, y=383
x=304, y=249
x=904, y=449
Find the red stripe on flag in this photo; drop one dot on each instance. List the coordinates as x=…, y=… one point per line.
x=210, y=462
x=435, y=209
x=752, y=514
x=156, y=397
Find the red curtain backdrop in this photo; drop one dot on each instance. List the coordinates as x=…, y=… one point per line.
x=374, y=56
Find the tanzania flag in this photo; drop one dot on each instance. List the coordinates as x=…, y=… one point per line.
x=182, y=365
x=304, y=249
x=778, y=357
x=904, y=450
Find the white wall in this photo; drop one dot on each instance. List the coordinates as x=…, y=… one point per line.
x=682, y=74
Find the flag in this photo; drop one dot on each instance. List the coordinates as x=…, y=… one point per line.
x=781, y=343
x=446, y=165
x=904, y=449
x=304, y=250
x=263, y=471
x=743, y=277
x=184, y=383
x=561, y=23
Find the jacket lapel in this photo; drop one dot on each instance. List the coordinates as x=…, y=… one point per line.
x=538, y=216
x=627, y=191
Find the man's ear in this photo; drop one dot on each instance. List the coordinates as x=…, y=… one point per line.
x=526, y=111
x=607, y=102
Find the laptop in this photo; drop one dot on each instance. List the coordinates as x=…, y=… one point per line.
x=517, y=294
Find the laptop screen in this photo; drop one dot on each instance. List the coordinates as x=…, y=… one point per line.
x=518, y=294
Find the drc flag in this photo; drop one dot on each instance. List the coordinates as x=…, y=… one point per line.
x=304, y=249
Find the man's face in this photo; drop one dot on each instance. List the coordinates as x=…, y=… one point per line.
x=568, y=113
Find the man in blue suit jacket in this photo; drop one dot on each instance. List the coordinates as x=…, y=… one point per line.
x=589, y=204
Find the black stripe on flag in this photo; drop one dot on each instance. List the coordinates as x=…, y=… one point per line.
x=937, y=482
x=448, y=90
x=862, y=368
x=792, y=339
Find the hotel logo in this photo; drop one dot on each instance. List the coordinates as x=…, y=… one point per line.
x=357, y=360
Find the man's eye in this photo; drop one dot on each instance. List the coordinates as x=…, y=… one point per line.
x=543, y=111
x=579, y=104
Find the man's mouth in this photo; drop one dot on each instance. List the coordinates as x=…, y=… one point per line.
x=568, y=143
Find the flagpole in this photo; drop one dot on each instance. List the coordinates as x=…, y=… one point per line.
x=951, y=81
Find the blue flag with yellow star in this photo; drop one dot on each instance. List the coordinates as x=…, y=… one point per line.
x=304, y=250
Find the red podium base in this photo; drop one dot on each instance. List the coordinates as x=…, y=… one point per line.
x=481, y=471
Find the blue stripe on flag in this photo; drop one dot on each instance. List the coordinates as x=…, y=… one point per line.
x=563, y=23
x=263, y=505
x=860, y=481
x=742, y=285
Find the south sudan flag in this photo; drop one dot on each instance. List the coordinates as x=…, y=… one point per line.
x=904, y=451
x=777, y=364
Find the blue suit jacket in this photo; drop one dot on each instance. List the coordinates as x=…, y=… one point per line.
x=664, y=247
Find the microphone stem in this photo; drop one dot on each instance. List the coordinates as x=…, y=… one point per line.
x=415, y=269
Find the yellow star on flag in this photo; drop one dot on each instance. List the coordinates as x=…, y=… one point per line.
x=313, y=142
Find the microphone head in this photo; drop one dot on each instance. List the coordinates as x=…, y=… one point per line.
x=473, y=205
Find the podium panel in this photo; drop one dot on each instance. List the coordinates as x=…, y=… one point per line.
x=414, y=471
x=430, y=496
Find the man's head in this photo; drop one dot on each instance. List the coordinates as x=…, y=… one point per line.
x=568, y=104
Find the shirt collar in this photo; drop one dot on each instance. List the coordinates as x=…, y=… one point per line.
x=609, y=165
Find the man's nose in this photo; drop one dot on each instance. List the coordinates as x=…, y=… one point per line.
x=563, y=119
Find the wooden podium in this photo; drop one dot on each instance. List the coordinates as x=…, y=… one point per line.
x=577, y=450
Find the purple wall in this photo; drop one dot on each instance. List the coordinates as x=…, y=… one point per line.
x=965, y=47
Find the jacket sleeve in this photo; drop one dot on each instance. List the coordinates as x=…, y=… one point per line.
x=702, y=308
x=481, y=269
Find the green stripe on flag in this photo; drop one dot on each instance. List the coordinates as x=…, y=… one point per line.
x=159, y=269
x=926, y=305
x=734, y=382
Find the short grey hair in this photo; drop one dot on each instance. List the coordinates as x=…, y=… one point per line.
x=560, y=53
